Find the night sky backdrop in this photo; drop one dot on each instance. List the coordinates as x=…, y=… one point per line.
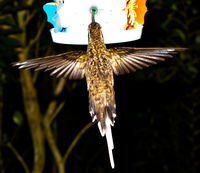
x=157, y=128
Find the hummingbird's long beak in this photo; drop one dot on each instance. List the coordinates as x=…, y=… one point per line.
x=93, y=11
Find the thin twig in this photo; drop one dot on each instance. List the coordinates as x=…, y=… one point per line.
x=52, y=111
x=76, y=139
x=33, y=41
x=56, y=111
x=53, y=147
x=50, y=114
x=1, y=116
x=60, y=86
x=19, y=157
x=29, y=18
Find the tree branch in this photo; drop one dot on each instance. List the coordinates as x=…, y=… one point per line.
x=59, y=108
x=54, y=149
x=19, y=157
x=30, y=99
x=33, y=41
x=76, y=139
x=60, y=86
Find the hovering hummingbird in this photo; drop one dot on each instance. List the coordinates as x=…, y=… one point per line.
x=98, y=65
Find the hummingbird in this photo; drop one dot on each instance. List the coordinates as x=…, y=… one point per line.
x=99, y=65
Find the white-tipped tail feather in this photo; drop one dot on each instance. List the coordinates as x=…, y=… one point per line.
x=109, y=138
x=110, y=141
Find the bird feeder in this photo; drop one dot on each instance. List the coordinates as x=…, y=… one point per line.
x=121, y=20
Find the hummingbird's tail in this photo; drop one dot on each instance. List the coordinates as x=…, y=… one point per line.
x=104, y=114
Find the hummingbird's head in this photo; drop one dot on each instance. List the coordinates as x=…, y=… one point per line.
x=94, y=26
x=94, y=30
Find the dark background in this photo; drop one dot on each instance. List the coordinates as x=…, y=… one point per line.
x=157, y=128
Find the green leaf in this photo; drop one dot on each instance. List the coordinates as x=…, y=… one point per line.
x=183, y=56
x=180, y=34
x=18, y=118
x=13, y=9
x=192, y=69
x=10, y=31
x=4, y=3
x=197, y=39
x=8, y=41
x=5, y=138
x=174, y=7
x=8, y=21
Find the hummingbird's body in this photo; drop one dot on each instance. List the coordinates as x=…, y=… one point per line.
x=100, y=82
x=99, y=64
x=99, y=77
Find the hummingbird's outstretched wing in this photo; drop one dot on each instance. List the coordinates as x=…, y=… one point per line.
x=129, y=59
x=68, y=65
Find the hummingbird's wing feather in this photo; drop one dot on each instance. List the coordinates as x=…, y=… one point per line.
x=129, y=59
x=68, y=65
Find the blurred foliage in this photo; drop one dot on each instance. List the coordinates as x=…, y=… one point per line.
x=18, y=118
x=157, y=127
